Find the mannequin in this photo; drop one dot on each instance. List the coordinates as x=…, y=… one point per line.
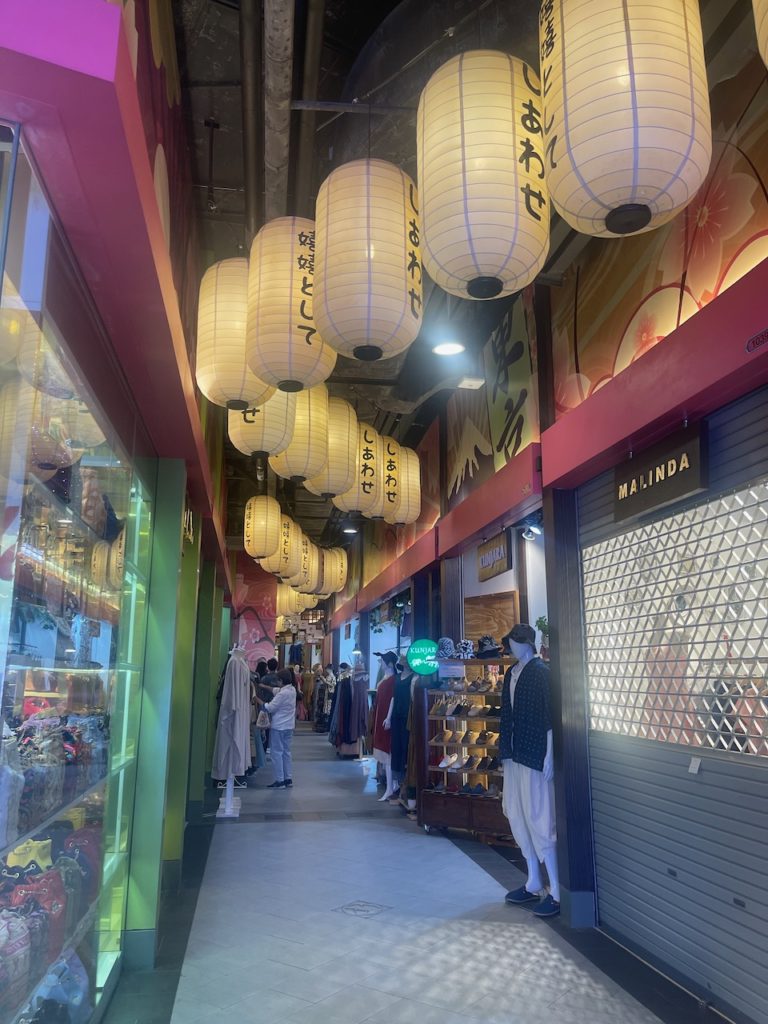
x=382, y=724
x=232, y=752
x=527, y=755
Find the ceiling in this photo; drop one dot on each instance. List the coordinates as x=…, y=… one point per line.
x=380, y=52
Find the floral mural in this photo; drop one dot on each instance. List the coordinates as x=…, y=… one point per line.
x=623, y=296
x=253, y=610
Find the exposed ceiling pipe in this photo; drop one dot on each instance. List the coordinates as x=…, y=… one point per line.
x=278, y=83
x=305, y=155
x=252, y=77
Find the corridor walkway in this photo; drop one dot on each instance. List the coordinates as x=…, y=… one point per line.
x=322, y=906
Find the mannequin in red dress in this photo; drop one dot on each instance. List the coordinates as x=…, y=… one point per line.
x=382, y=739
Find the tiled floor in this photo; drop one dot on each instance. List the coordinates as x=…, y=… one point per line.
x=322, y=906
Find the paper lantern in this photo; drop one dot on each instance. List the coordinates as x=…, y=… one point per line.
x=261, y=526
x=308, y=601
x=264, y=431
x=338, y=474
x=629, y=138
x=33, y=437
x=307, y=453
x=116, y=562
x=301, y=576
x=14, y=317
x=390, y=491
x=365, y=493
x=100, y=563
x=368, y=301
x=408, y=506
x=287, y=601
x=338, y=578
x=760, y=8
x=39, y=364
x=286, y=560
x=284, y=347
x=222, y=372
x=310, y=572
x=483, y=193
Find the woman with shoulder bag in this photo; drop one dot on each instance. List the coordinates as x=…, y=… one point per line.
x=281, y=711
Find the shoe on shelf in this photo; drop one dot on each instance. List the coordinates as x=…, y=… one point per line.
x=479, y=790
x=466, y=789
x=471, y=764
x=521, y=895
x=448, y=760
x=276, y=785
x=288, y=783
x=440, y=738
x=547, y=908
x=495, y=765
x=482, y=738
x=482, y=764
x=476, y=711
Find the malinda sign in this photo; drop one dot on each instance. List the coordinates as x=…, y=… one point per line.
x=670, y=471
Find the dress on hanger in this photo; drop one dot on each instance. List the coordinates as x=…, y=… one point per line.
x=232, y=752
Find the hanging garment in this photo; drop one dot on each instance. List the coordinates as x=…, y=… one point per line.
x=382, y=738
x=399, y=730
x=232, y=753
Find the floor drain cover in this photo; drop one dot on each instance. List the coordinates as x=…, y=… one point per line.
x=361, y=909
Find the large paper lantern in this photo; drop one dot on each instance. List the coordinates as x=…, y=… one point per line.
x=338, y=577
x=307, y=601
x=482, y=189
x=307, y=453
x=33, y=436
x=408, y=505
x=368, y=280
x=222, y=372
x=301, y=576
x=390, y=491
x=287, y=559
x=760, y=8
x=287, y=601
x=338, y=474
x=284, y=347
x=261, y=526
x=264, y=431
x=628, y=137
x=310, y=571
x=364, y=494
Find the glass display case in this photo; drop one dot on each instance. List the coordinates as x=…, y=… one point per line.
x=74, y=566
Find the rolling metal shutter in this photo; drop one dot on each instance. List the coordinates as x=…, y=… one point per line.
x=676, y=612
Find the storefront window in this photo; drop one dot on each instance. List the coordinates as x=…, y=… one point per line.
x=677, y=627
x=74, y=567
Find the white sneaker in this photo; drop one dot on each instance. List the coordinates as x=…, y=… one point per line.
x=448, y=760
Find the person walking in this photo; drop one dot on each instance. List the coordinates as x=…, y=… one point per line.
x=282, y=713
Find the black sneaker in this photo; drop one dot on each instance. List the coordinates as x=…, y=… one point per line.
x=288, y=783
x=276, y=785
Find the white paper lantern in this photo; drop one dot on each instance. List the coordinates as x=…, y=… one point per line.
x=760, y=8
x=338, y=474
x=286, y=560
x=365, y=493
x=301, y=576
x=33, y=436
x=311, y=574
x=368, y=300
x=264, y=431
x=222, y=372
x=339, y=570
x=629, y=138
x=307, y=453
x=483, y=193
x=261, y=526
x=284, y=347
x=408, y=506
x=14, y=317
x=308, y=601
x=287, y=601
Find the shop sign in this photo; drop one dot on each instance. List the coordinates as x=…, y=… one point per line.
x=422, y=657
x=668, y=472
x=494, y=556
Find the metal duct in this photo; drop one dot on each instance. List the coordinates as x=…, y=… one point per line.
x=251, y=73
x=278, y=80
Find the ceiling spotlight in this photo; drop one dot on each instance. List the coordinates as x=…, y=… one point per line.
x=448, y=348
x=400, y=604
x=471, y=383
x=348, y=527
x=535, y=529
x=528, y=534
x=356, y=651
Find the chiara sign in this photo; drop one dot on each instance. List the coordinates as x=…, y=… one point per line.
x=494, y=556
x=668, y=472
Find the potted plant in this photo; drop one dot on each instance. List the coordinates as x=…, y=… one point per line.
x=542, y=624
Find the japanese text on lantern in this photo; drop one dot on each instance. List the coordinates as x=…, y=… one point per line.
x=530, y=156
x=390, y=470
x=548, y=48
x=305, y=262
x=367, y=471
x=414, y=253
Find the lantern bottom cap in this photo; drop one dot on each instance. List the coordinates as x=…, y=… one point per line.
x=367, y=353
x=237, y=404
x=627, y=218
x=298, y=479
x=485, y=287
x=290, y=386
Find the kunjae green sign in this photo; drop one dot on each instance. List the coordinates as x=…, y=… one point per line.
x=422, y=657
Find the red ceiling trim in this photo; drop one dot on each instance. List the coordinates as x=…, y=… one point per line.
x=717, y=356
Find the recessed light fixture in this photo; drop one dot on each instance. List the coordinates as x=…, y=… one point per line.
x=471, y=383
x=528, y=534
x=348, y=527
x=448, y=348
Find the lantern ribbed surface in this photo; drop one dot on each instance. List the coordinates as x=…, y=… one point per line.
x=364, y=494
x=287, y=559
x=302, y=573
x=339, y=572
x=222, y=372
x=310, y=571
x=287, y=600
x=408, y=508
x=483, y=195
x=760, y=8
x=264, y=431
x=338, y=474
x=308, y=601
x=391, y=482
x=261, y=526
x=284, y=347
x=368, y=301
x=629, y=137
x=307, y=453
